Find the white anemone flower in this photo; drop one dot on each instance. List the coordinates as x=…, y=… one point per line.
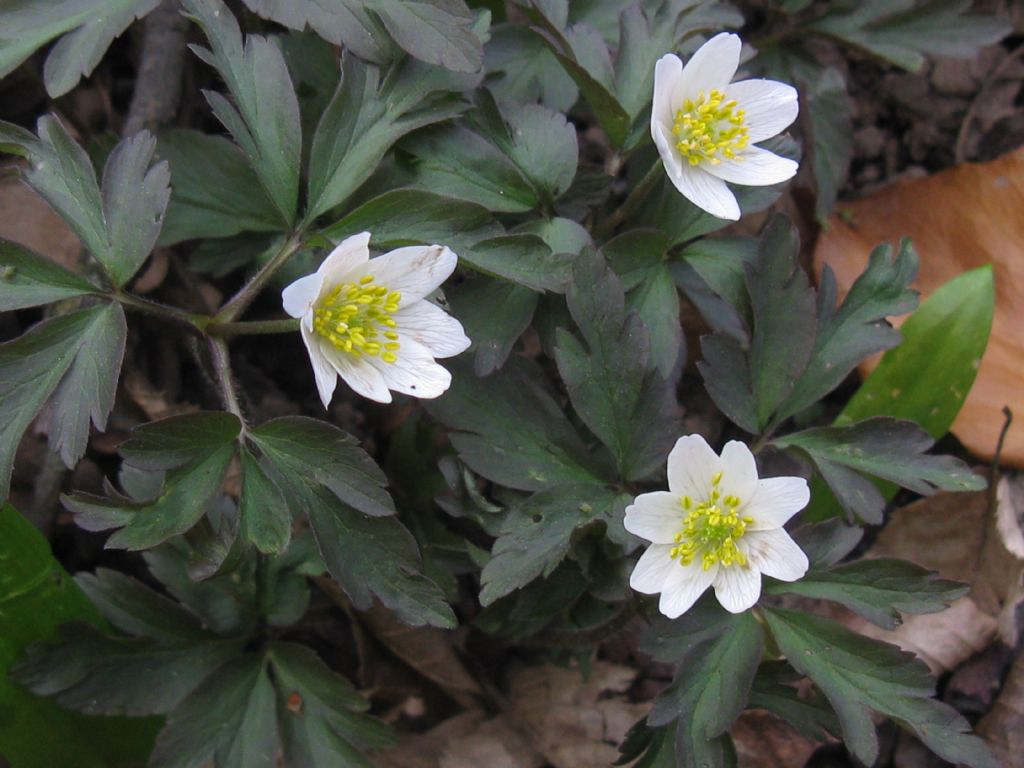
x=705, y=127
x=368, y=320
x=717, y=525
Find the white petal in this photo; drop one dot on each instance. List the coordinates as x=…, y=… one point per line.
x=434, y=328
x=754, y=167
x=652, y=570
x=712, y=66
x=351, y=253
x=691, y=466
x=707, y=192
x=414, y=372
x=685, y=585
x=324, y=373
x=657, y=516
x=770, y=106
x=775, y=501
x=775, y=554
x=739, y=471
x=669, y=155
x=414, y=271
x=737, y=588
x=667, y=72
x=298, y=297
x=362, y=377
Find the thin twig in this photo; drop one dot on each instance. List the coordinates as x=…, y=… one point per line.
x=221, y=359
x=252, y=328
x=158, y=82
x=241, y=300
x=191, y=321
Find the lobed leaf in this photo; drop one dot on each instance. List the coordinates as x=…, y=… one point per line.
x=28, y=280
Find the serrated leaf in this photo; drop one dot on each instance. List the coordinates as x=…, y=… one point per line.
x=656, y=302
x=885, y=448
x=118, y=222
x=438, y=32
x=197, y=449
x=523, y=259
x=509, y=429
x=775, y=689
x=36, y=596
x=28, y=280
x=264, y=118
x=630, y=409
x=859, y=675
x=366, y=116
x=716, y=655
x=536, y=535
x=88, y=26
x=375, y=557
x=848, y=334
x=302, y=453
x=904, y=32
x=413, y=217
x=214, y=192
x=494, y=314
x=878, y=589
x=72, y=361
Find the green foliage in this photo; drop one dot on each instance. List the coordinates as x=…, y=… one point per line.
x=859, y=675
x=36, y=596
x=884, y=448
x=71, y=362
x=28, y=280
x=88, y=28
x=118, y=221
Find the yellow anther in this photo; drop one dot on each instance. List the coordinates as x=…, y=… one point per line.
x=716, y=478
x=353, y=318
x=366, y=279
x=710, y=531
x=710, y=128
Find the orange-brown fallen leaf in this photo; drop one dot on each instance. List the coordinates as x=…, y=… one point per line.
x=27, y=219
x=959, y=219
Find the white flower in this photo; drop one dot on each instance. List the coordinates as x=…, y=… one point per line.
x=717, y=525
x=367, y=320
x=705, y=127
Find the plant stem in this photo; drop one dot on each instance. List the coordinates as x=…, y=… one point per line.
x=241, y=300
x=252, y=328
x=222, y=369
x=192, y=321
x=632, y=202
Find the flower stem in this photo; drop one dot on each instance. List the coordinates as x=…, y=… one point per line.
x=638, y=194
x=194, y=322
x=222, y=369
x=241, y=300
x=252, y=328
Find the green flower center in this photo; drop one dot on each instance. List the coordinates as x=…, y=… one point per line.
x=710, y=530
x=709, y=128
x=357, y=319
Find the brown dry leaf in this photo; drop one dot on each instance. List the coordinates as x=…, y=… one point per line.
x=959, y=219
x=575, y=723
x=151, y=400
x=26, y=218
x=1003, y=726
x=154, y=274
x=763, y=740
x=954, y=534
x=427, y=650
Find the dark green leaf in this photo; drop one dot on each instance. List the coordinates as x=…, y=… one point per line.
x=214, y=192
x=302, y=452
x=858, y=328
x=522, y=259
x=28, y=280
x=827, y=543
x=494, y=314
x=521, y=69
x=265, y=519
x=366, y=116
x=118, y=224
x=91, y=25
x=878, y=589
x=632, y=410
x=561, y=235
x=36, y=596
x=722, y=263
x=265, y=116
x=859, y=675
x=903, y=33
x=73, y=361
x=716, y=656
x=437, y=32
x=536, y=535
x=413, y=217
x=510, y=429
x=775, y=689
x=178, y=440
x=375, y=557
x=885, y=448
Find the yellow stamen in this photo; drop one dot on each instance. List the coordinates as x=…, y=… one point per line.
x=353, y=317
x=710, y=531
x=709, y=128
